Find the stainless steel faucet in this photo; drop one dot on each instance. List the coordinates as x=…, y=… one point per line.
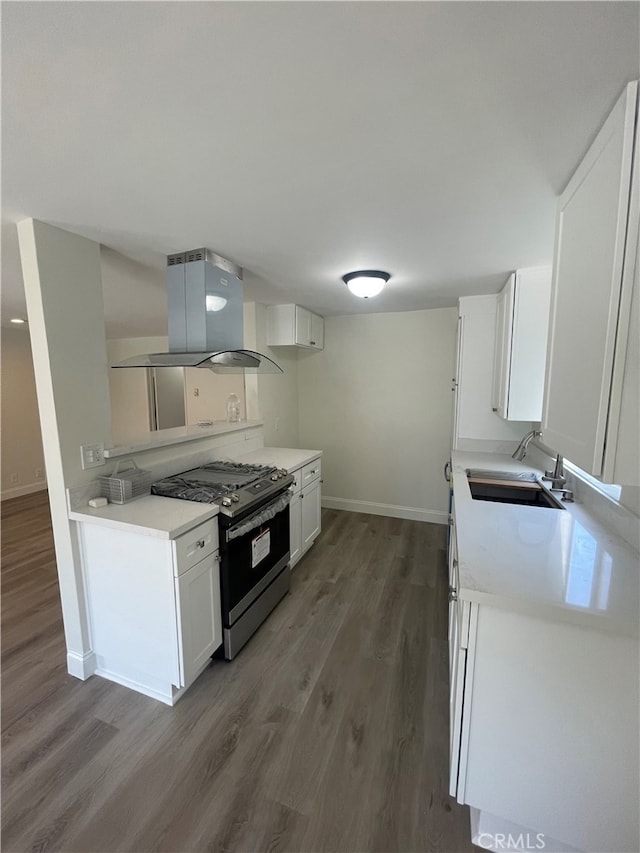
x=556, y=477
x=521, y=450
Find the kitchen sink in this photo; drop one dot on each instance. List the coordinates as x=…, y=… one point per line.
x=510, y=488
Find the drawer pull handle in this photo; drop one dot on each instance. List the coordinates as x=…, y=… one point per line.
x=200, y=543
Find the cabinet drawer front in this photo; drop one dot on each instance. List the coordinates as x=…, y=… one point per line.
x=312, y=471
x=193, y=546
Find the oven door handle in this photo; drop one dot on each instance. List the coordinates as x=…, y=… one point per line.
x=259, y=518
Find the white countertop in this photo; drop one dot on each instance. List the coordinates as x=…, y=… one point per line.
x=166, y=518
x=547, y=562
x=282, y=457
x=151, y=515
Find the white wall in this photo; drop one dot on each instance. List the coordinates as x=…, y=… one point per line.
x=22, y=450
x=129, y=398
x=377, y=401
x=272, y=397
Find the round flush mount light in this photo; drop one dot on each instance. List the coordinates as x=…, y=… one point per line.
x=17, y=320
x=366, y=283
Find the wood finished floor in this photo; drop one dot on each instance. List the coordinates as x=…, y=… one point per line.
x=328, y=733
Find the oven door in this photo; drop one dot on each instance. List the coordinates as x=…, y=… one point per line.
x=251, y=561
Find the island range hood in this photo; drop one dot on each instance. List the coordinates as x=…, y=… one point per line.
x=204, y=302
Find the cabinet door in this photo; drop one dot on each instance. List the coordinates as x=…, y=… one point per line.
x=310, y=514
x=591, y=231
x=199, y=616
x=502, y=364
x=303, y=326
x=475, y=418
x=528, y=344
x=295, y=528
x=455, y=405
x=317, y=332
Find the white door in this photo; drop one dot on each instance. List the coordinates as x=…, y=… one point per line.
x=310, y=514
x=199, y=615
x=295, y=523
x=591, y=229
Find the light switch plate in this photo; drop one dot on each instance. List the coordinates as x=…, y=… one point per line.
x=92, y=455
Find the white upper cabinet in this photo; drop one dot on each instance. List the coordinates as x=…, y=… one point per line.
x=589, y=401
x=476, y=425
x=522, y=323
x=292, y=325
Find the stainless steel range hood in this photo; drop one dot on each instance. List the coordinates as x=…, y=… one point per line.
x=204, y=302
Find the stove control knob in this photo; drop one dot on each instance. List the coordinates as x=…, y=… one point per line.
x=282, y=472
x=275, y=477
x=235, y=499
x=226, y=501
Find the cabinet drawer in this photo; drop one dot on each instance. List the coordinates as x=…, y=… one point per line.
x=194, y=545
x=310, y=472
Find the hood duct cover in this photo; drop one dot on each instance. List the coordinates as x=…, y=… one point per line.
x=204, y=301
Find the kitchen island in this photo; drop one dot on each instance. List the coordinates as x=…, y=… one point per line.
x=543, y=638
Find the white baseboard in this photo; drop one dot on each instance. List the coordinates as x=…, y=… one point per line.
x=392, y=511
x=168, y=698
x=18, y=491
x=81, y=666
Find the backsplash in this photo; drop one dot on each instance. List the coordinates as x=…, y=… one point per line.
x=616, y=517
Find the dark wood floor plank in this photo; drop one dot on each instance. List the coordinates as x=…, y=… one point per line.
x=329, y=732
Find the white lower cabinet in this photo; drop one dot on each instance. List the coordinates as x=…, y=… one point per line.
x=310, y=514
x=305, y=509
x=544, y=730
x=198, y=610
x=154, y=606
x=295, y=522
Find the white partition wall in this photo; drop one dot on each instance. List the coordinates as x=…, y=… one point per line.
x=63, y=288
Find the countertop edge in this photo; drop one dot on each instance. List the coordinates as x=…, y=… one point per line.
x=99, y=517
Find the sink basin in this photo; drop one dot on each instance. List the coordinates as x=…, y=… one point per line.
x=509, y=488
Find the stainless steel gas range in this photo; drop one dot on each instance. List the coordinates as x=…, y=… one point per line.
x=254, y=538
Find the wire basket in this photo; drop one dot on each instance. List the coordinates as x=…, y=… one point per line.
x=123, y=486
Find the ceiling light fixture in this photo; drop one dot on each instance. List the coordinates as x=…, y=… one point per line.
x=366, y=283
x=17, y=320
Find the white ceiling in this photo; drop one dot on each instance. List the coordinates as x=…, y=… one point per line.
x=303, y=140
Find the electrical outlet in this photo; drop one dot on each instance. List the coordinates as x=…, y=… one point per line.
x=13, y=478
x=92, y=455
x=196, y=392
x=39, y=474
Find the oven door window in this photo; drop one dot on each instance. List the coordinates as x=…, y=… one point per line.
x=249, y=558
